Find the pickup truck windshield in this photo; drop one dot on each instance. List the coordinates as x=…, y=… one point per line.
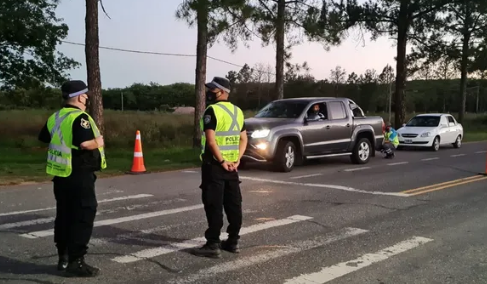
x=424, y=121
x=282, y=109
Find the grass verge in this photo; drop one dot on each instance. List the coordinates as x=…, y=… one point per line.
x=18, y=166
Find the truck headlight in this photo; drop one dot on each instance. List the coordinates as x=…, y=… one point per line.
x=426, y=134
x=260, y=133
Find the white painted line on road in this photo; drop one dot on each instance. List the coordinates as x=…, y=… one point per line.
x=480, y=152
x=331, y=186
x=172, y=247
x=356, y=169
x=457, y=155
x=305, y=176
x=100, y=212
x=101, y=201
x=40, y=234
x=398, y=163
x=260, y=258
x=190, y=172
x=330, y=273
x=430, y=159
x=139, y=235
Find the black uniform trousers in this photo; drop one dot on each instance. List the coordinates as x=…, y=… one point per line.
x=221, y=191
x=76, y=207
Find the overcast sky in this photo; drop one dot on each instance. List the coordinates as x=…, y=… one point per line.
x=151, y=25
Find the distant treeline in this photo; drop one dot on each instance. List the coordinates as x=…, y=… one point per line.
x=421, y=96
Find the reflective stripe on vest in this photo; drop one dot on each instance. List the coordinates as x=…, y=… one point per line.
x=219, y=134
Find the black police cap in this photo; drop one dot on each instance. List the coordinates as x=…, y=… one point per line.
x=73, y=88
x=219, y=83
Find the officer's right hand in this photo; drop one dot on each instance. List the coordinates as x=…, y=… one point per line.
x=227, y=166
x=100, y=141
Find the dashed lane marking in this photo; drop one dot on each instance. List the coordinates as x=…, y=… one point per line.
x=356, y=169
x=306, y=176
x=430, y=159
x=398, y=163
x=457, y=155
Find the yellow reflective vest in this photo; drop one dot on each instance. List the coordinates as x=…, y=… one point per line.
x=59, y=155
x=230, y=119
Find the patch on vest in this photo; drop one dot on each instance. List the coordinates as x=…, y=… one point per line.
x=207, y=119
x=85, y=123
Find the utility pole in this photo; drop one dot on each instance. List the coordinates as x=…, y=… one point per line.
x=121, y=97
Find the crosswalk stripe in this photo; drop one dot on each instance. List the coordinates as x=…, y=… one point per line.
x=101, y=201
x=172, y=247
x=45, y=233
x=260, y=258
x=338, y=270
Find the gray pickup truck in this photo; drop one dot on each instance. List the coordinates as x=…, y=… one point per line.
x=287, y=132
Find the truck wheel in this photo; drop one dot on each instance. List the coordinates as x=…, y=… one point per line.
x=436, y=144
x=285, y=158
x=361, y=152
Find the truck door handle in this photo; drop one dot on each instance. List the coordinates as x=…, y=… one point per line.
x=327, y=127
x=348, y=124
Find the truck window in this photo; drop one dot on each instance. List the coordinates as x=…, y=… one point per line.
x=450, y=119
x=337, y=110
x=317, y=111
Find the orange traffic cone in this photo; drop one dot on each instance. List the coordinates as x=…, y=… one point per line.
x=138, y=163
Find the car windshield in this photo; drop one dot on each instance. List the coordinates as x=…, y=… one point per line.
x=282, y=109
x=424, y=121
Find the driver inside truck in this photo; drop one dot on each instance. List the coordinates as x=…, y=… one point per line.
x=315, y=113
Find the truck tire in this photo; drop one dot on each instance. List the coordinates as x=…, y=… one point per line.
x=285, y=157
x=361, y=152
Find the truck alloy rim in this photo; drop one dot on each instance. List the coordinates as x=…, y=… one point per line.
x=289, y=157
x=363, y=151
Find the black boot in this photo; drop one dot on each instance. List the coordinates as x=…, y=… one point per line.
x=62, y=262
x=79, y=268
x=230, y=246
x=208, y=250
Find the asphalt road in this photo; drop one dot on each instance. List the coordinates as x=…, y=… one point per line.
x=419, y=218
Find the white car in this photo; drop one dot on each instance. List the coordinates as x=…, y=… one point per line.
x=431, y=131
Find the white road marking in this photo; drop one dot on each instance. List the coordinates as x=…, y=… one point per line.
x=305, y=176
x=398, y=163
x=46, y=233
x=480, y=152
x=339, y=187
x=190, y=172
x=263, y=257
x=101, y=201
x=100, y=212
x=356, y=169
x=139, y=235
x=332, y=272
x=172, y=247
x=457, y=155
x=430, y=159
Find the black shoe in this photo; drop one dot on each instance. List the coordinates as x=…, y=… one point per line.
x=62, y=263
x=230, y=246
x=79, y=268
x=208, y=250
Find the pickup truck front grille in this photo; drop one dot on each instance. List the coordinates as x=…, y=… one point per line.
x=408, y=135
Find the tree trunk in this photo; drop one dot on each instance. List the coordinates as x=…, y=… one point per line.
x=280, y=32
x=401, y=67
x=200, y=78
x=93, y=63
x=464, y=64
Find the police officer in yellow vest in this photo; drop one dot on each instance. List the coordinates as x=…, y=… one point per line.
x=223, y=143
x=75, y=152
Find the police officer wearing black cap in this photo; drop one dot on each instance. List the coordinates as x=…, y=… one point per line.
x=75, y=153
x=223, y=143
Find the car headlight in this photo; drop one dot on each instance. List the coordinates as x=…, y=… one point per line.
x=260, y=133
x=426, y=134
